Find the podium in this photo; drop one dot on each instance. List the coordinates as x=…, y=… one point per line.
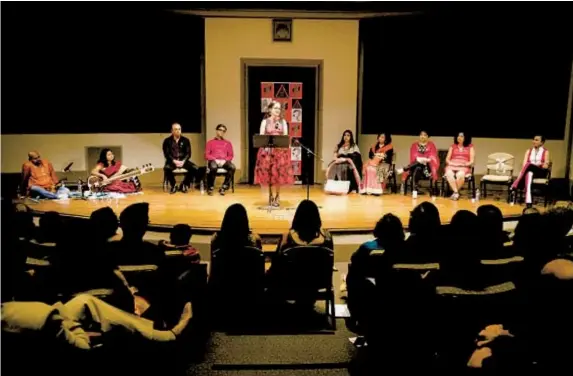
x=271, y=141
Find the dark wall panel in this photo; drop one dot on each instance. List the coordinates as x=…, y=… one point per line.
x=97, y=68
x=491, y=74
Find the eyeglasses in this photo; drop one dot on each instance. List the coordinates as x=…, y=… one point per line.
x=222, y=130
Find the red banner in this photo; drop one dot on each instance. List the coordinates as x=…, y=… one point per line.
x=289, y=95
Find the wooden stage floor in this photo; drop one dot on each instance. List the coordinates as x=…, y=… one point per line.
x=353, y=213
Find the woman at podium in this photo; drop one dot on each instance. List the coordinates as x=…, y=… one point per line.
x=273, y=166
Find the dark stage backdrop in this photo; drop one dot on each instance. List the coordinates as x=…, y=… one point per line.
x=95, y=68
x=490, y=74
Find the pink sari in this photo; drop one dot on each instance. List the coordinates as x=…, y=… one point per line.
x=118, y=186
x=376, y=171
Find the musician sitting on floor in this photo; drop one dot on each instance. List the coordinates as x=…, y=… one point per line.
x=38, y=177
x=107, y=167
x=219, y=154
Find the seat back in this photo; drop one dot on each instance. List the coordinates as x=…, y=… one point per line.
x=442, y=154
x=240, y=270
x=306, y=268
x=464, y=313
x=144, y=277
x=501, y=164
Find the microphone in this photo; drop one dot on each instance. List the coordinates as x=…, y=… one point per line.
x=68, y=167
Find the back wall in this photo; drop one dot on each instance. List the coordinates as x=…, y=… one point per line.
x=227, y=40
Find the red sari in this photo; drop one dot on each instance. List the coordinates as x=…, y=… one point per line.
x=118, y=186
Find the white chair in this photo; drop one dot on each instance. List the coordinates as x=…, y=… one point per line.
x=500, y=168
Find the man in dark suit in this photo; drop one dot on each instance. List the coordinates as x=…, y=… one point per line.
x=177, y=152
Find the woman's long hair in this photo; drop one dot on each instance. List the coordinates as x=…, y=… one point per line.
x=103, y=158
x=306, y=221
x=467, y=139
x=270, y=107
x=390, y=232
x=387, y=140
x=235, y=229
x=352, y=143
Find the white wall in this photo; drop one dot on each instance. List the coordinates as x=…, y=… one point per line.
x=61, y=149
x=483, y=147
x=227, y=40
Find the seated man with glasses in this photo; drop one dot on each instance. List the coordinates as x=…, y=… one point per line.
x=219, y=154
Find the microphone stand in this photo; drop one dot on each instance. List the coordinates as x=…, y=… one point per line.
x=308, y=153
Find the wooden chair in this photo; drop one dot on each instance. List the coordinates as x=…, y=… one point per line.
x=470, y=180
x=222, y=172
x=500, y=168
x=177, y=172
x=236, y=282
x=539, y=184
x=392, y=174
x=306, y=272
x=433, y=185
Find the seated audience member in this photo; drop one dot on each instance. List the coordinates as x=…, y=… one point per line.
x=462, y=267
x=389, y=239
x=347, y=162
x=39, y=178
x=105, y=221
x=235, y=231
x=536, y=162
x=459, y=160
x=107, y=167
x=219, y=154
x=132, y=249
x=70, y=322
x=424, y=162
x=306, y=229
x=13, y=264
x=377, y=169
x=50, y=229
x=425, y=236
x=493, y=237
x=467, y=299
x=177, y=153
x=179, y=241
x=92, y=270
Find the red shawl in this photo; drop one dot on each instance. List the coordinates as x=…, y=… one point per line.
x=384, y=149
x=431, y=152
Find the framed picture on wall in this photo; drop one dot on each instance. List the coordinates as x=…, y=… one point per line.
x=282, y=30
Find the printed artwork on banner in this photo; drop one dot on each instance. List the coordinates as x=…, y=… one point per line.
x=265, y=103
x=297, y=115
x=296, y=167
x=295, y=153
x=267, y=89
x=295, y=90
x=296, y=104
x=285, y=103
x=295, y=129
x=281, y=90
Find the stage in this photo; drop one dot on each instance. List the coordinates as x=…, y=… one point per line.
x=341, y=214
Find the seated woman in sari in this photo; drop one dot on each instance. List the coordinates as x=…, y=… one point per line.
x=347, y=163
x=424, y=162
x=108, y=167
x=376, y=170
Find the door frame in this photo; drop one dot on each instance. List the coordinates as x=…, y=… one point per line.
x=296, y=63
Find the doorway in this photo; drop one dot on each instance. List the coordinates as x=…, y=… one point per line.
x=308, y=76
